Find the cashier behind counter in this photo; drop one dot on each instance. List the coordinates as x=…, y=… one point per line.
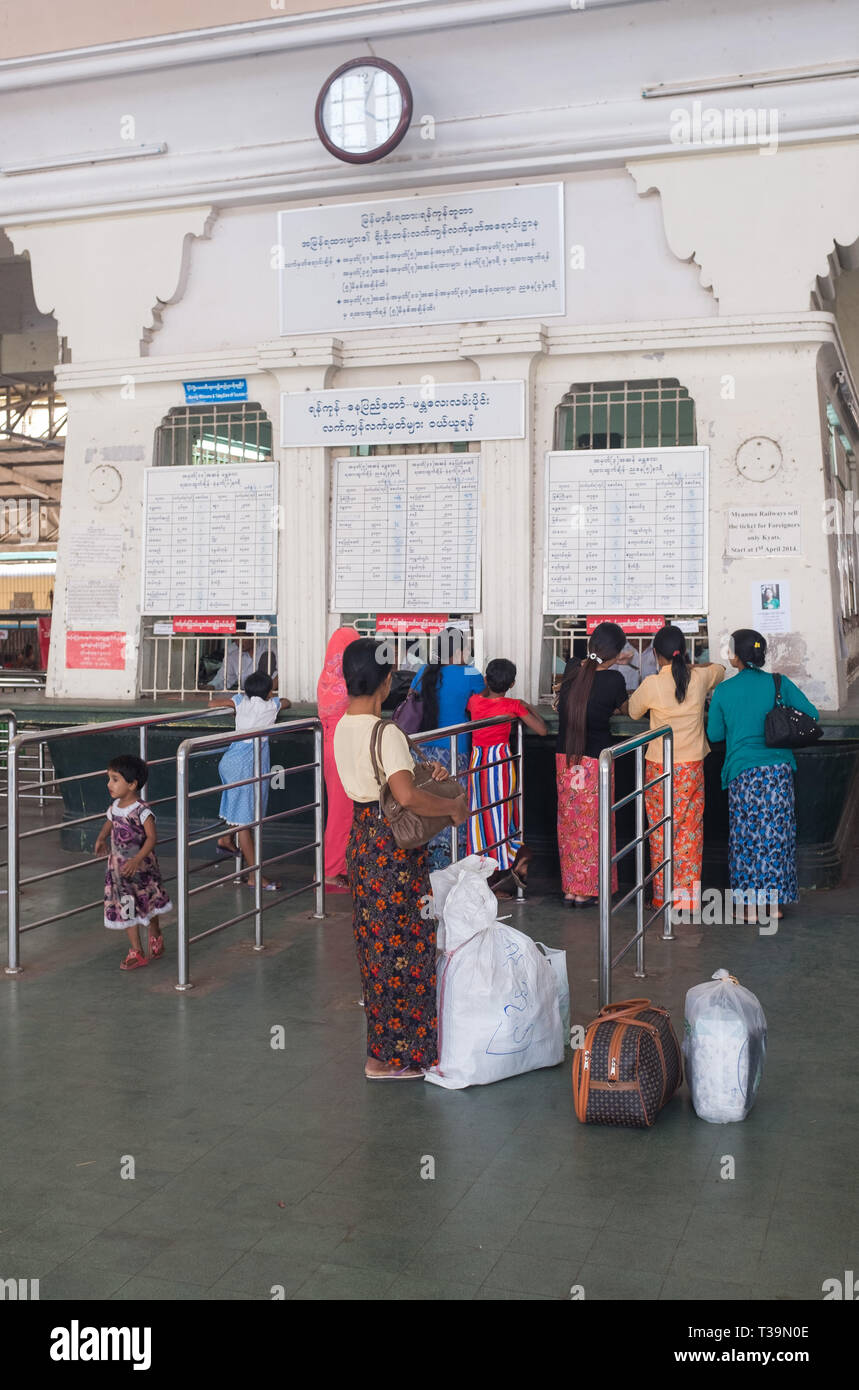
x=238, y=664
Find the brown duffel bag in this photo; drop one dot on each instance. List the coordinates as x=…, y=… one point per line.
x=629, y=1067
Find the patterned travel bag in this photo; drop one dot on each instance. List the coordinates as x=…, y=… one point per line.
x=629, y=1066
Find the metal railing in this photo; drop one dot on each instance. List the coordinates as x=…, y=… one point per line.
x=32, y=767
x=516, y=760
x=209, y=743
x=184, y=664
x=16, y=835
x=607, y=859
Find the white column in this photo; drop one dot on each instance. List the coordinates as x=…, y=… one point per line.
x=304, y=539
x=511, y=592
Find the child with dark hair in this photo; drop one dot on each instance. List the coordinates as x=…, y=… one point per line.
x=256, y=709
x=134, y=895
x=676, y=696
x=591, y=692
x=492, y=777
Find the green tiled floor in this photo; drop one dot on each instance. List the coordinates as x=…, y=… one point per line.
x=257, y=1168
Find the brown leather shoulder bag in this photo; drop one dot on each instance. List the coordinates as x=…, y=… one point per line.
x=410, y=829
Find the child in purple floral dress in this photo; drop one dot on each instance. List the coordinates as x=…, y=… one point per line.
x=134, y=895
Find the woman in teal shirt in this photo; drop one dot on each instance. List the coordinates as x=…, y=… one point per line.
x=759, y=779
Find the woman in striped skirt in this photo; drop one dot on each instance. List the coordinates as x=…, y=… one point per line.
x=492, y=780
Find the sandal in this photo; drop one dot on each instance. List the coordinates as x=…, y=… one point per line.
x=156, y=947
x=134, y=960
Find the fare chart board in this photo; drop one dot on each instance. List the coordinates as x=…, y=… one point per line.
x=626, y=531
x=406, y=534
x=209, y=540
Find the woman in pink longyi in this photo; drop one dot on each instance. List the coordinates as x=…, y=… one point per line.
x=331, y=701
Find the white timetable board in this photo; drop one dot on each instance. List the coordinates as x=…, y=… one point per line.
x=405, y=534
x=209, y=540
x=626, y=531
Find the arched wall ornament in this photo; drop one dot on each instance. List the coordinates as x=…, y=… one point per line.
x=736, y=213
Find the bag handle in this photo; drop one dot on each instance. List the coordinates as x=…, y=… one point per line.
x=375, y=749
x=778, y=699
x=623, y=1006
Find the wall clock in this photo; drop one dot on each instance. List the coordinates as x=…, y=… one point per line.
x=363, y=110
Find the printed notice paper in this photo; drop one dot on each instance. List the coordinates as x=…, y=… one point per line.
x=763, y=531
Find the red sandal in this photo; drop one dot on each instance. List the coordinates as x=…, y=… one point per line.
x=156, y=947
x=134, y=960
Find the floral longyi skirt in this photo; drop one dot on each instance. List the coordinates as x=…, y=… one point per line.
x=395, y=942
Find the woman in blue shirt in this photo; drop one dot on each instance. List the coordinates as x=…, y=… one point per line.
x=445, y=685
x=759, y=779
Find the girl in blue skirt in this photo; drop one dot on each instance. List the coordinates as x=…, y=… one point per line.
x=256, y=709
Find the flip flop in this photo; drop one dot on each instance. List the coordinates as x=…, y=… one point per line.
x=156, y=947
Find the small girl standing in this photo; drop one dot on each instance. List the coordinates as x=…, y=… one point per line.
x=134, y=895
x=256, y=709
x=492, y=776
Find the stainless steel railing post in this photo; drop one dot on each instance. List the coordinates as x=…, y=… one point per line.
x=668, y=834
x=257, y=799
x=318, y=758
x=182, y=887
x=13, y=869
x=605, y=866
x=520, y=795
x=141, y=748
x=640, y=780
x=454, y=829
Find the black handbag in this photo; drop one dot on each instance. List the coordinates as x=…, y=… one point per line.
x=786, y=727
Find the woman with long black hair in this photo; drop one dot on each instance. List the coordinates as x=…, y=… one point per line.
x=590, y=694
x=759, y=779
x=676, y=696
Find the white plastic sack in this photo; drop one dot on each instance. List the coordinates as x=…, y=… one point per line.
x=725, y=1045
x=471, y=902
x=498, y=1011
x=558, y=961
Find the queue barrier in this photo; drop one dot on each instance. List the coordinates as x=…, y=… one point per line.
x=607, y=860
x=19, y=745
x=516, y=760
x=209, y=743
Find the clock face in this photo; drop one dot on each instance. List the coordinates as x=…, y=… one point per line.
x=363, y=110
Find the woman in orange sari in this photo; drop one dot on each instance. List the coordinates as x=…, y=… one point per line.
x=331, y=701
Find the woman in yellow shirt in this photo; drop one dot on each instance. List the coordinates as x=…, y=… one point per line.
x=676, y=696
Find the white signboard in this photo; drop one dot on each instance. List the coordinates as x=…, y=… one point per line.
x=761, y=531
x=209, y=543
x=626, y=531
x=424, y=414
x=406, y=534
x=490, y=254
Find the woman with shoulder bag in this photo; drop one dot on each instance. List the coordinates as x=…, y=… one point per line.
x=389, y=884
x=758, y=777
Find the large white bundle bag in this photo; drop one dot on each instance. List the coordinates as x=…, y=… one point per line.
x=498, y=1012
x=725, y=1045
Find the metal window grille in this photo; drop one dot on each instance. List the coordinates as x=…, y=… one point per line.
x=208, y=436
x=658, y=413
x=625, y=414
x=190, y=435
